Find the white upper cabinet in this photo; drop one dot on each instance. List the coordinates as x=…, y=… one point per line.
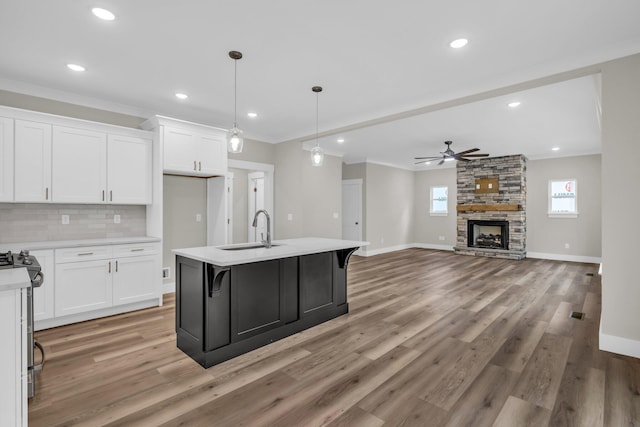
x=79, y=165
x=189, y=148
x=129, y=170
x=194, y=153
x=180, y=151
x=6, y=159
x=213, y=151
x=32, y=166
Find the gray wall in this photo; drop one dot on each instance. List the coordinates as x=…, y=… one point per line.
x=42, y=105
x=184, y=197
x=428, y=228
x=621, y=204
x=311, y=194
x=256, y=151
x=240, y=205
x=549, y=235
x=389, y=207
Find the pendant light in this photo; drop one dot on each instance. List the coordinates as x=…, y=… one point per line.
x=317, y=153
x=234, y=135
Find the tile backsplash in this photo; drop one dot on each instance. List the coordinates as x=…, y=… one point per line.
x=33, y=222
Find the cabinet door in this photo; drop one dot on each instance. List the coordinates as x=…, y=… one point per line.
x=316, y=282
x=6, y=159
x=13, y=358
x=32, y=167
x=180, y=148
x=257, y=299
x=212, y=155
x=43, y=295
x=79, y=165
x=134, y=279
x=129, y=170
x=83, y=286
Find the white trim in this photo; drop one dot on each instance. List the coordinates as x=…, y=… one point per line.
x=168, y=288
x=563, y=215
x=243, y=164
x=433, y=246
x=352, y=181
x=619, y=345
x=387, y=250
x=565, y=257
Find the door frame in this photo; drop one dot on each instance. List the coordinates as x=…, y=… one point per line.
x=357, y=182
x=268, y=170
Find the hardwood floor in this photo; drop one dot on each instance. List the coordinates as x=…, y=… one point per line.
x=432, y=339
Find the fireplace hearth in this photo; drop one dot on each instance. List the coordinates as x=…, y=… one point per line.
x=488, y=234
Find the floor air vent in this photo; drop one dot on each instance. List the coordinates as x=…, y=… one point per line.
x=576, y=315
x=590, y=274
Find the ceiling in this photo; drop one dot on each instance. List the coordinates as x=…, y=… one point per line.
x=379, y=62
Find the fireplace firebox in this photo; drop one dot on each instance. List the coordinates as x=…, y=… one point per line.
x=488, y=234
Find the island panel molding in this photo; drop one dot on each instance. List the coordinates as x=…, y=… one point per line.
x=261, y=295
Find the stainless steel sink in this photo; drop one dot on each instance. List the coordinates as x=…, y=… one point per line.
x=244, y=247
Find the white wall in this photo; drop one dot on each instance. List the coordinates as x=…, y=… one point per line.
x=619, y=327
x=546, y=237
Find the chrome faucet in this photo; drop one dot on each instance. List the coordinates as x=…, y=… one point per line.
x=266, y=243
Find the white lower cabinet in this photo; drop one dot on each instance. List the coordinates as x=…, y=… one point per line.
x=134, y=279
x=98, y=277
x=43, y=296
x=82, y=286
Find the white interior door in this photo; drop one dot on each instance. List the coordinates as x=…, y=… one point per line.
x=255, y=199
x=352, y=209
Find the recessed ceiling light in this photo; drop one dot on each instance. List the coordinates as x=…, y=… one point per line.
x=103, y=14
x=252, y=114
x=458, y=43
x=75, y=67
x=555, y=148
x=514, y=104
x=180, y=95
x=340, y=140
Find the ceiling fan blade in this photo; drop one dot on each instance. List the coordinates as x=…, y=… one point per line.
x=462, y=158
x=427, y=158
x=467, y=151
x=476, y=155
x=441, y=162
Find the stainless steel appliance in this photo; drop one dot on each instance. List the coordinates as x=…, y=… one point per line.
x=24, y=260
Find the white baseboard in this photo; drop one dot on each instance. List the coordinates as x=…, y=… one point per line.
x=386, y=250
x=432, y=246
x=167, y=288
x=564, y=257
x=619, y=345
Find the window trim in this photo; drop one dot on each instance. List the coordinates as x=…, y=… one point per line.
x=553, y=214
x=438, y=213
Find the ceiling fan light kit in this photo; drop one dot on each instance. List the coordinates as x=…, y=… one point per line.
x=450, y=155
x=234, y=135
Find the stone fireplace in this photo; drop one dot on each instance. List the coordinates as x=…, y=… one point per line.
x=491, y=219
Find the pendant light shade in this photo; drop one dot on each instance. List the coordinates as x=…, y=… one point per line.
x=317, y=153
x=234, y=135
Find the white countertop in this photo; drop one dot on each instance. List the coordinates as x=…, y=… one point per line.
x=57, y=244
x=14, y=278
x=281, y=249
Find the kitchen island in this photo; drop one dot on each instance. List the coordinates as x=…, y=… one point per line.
x=233, y=299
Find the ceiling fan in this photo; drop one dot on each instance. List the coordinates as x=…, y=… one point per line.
x=450, y=154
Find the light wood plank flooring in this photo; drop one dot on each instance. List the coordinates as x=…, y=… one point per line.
x=431, y=339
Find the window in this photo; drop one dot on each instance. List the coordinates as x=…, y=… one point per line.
x=563, y=198
x=439, y=199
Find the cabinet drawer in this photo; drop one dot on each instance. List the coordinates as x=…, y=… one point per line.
x=86, y=253
x=133, y=249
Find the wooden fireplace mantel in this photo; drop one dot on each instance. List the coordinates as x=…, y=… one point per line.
x=499, y=207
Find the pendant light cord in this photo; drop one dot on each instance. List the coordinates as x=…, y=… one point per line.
x=317, y=93
x=235, y=93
